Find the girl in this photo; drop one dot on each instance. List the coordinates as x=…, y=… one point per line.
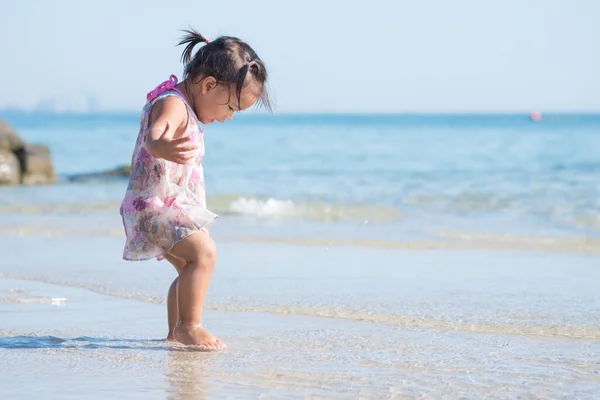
x=164, y=210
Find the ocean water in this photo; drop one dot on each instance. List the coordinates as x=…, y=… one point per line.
x=359, y=257
x=487, y=173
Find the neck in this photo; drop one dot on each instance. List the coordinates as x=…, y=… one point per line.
x=188, y=93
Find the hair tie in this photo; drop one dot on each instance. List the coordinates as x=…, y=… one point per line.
x=251, y=63
x=206, y=41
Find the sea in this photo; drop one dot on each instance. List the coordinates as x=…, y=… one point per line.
x=500, y=173
x=359, y=256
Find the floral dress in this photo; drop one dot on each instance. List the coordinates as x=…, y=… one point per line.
x=165, y=202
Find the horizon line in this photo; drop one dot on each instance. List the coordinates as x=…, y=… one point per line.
x=10, y=110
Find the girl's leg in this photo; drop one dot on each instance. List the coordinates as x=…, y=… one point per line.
x=172, y=313
x=199, y=251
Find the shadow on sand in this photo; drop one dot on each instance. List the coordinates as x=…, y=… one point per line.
x=86, y=342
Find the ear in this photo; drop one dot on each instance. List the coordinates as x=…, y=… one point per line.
x=208, y=84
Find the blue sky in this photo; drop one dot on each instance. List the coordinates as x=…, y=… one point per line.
x=323, y=56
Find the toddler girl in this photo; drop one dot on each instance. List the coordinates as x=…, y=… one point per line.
x=164, y=210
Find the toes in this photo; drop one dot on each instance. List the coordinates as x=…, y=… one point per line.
x=206, y=346
x=216, y=344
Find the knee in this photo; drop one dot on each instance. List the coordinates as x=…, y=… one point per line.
x=207, y=254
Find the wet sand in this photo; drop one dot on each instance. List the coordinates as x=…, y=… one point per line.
x=302, y=320
x=96, y=346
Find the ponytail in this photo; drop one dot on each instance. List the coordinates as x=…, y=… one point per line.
x=258, y=71
x=191, y=40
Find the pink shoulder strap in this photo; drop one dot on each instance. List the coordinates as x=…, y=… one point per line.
x=163, y=87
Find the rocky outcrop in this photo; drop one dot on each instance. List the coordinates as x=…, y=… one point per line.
x=38, y=165
x=23, y=163
x=10, y=168
x=117, y=173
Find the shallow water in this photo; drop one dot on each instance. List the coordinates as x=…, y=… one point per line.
x=104, y=346
x=358, y=258
x=302, y=319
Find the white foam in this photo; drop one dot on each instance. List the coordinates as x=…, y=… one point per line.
x=263, y=208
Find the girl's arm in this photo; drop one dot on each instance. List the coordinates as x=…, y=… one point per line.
x=168, y=122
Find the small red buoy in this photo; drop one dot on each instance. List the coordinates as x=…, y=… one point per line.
x=536, y=116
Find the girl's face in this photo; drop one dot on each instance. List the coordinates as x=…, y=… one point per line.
x=218, y=101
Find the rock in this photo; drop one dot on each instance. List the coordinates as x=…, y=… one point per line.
x=23, y=162
x=36, y=179
x=38, y=168
x=123, y=171
x=120, y=172
x=9, y=140
x=10, y=168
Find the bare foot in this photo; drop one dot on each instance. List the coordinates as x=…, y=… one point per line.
x=198, y=337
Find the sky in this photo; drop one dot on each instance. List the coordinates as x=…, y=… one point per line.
x=322, y=56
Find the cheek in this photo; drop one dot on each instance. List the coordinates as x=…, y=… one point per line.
x=209, y=111
x=222, y=112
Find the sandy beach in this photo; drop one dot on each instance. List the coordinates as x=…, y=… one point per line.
x=301, y=320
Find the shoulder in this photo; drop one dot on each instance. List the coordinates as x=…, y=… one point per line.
x=171, y=108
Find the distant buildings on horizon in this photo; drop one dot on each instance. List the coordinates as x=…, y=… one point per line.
x=75, y=104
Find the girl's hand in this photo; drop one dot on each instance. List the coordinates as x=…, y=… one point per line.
x=180, y=150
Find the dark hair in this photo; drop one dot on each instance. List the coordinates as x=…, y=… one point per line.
x=227, y=59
